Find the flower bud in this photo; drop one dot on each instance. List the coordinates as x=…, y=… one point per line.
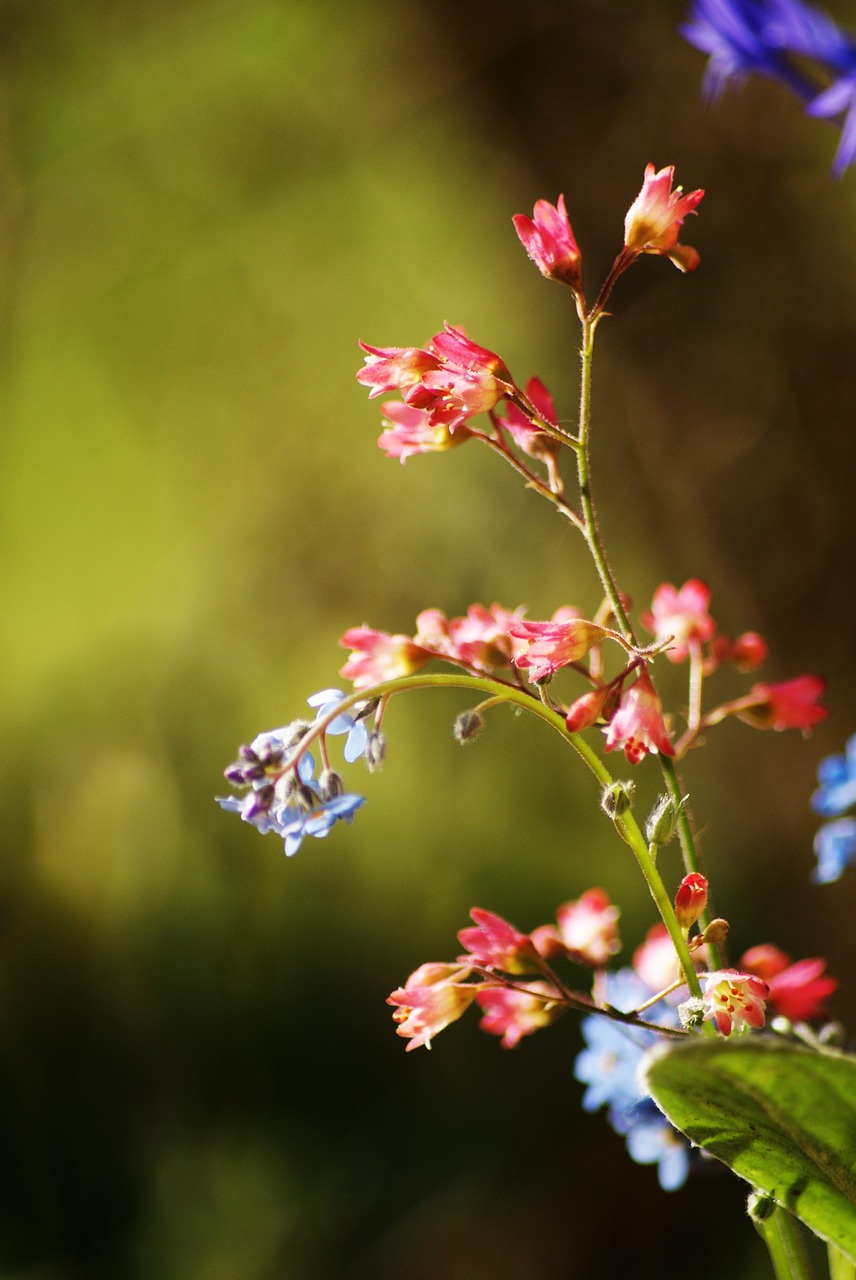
x=375, y=750
x=663, y=820
x=468, y=726
x=617, y=798
x=716, y=932
x=330, y=785
x=690, y=899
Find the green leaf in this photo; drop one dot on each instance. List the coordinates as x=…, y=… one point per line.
x=783, y=1117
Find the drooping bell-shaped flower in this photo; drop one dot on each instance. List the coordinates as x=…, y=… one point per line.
x=653, y=219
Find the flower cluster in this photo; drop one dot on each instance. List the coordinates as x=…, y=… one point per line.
x=785, y=40
x=835, y=842
x=276, y=774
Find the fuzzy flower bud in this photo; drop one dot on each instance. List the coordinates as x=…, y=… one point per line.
x=617, y=798
x=468, y=726
x=663, y=820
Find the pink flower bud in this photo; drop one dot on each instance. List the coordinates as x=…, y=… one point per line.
x=549, y=241
x=652, y=221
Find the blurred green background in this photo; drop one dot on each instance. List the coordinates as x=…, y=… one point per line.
x=204, y=205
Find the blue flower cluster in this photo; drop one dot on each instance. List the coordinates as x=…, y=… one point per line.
x=785, y=40
x=608, y=1066
x=293, y=802
x=835, y=842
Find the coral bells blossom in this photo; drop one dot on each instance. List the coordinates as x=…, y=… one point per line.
x=378, y=656
x=522, y=429
x=789, y=705
x=514, y=1014
x=549, y=241
x=734, y=1000
x=652, y=221
x=681, y=615
x=495, y=943
x=433, y=996
x=638, y=724
x=587, y=932
x=408, y=431
x=395, y=369
x=551, y=645
x=797, y=991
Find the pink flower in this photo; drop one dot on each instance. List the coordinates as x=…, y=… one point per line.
x=789, y=705
x=451, y=377
x=551, y=645
x=587, y=709
x=681, y=614
x=483, y=640
x=496, y=944
x=733, y=999
x=638, y=724
x=587, y=932
x=655, y=960
x=514, y=1014
x=535, y=443
x=395, y=369
x=797, y=991
x=652, y=221
x=378, y=656
x=433, y=996
x=408, y=431
x=690, y=899
x=549, y=241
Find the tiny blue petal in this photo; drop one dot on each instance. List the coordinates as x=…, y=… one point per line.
x=835, y=846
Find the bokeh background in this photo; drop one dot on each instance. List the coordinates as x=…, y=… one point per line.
x=203, y=204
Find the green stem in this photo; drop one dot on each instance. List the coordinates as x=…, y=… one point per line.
x=625, y=823
x=781, y=1234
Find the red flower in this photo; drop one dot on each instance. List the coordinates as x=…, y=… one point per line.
x=536, y=443
x=652, y=221
x=690, y=899
x=495, y=943
x=638, y=724
x=549, y=241
x=789, y=705
x=797, y=991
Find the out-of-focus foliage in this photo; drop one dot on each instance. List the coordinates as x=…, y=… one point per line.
x=202, y=206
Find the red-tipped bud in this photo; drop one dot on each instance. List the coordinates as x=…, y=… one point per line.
x=691, y=899
x=749, y=651
x=587, y=710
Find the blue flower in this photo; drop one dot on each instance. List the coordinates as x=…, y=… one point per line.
x=609, y=1064
x=837, y=777
x=326, y=701
x=294, y=822
x=772, y=38
x=835, y=846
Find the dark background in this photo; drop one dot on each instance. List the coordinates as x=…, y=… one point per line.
x=204, y=205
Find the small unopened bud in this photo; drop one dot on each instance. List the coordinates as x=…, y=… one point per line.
x=587, y=709
x=617, y=798
x=690, y=899
x=330, y=785
x=716, y=932
x=305, y=797
x=663, y=820
x=468, y=726
x=691, y=1013
x=375, y=750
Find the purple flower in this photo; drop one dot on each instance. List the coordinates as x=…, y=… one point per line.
x=776, y=38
